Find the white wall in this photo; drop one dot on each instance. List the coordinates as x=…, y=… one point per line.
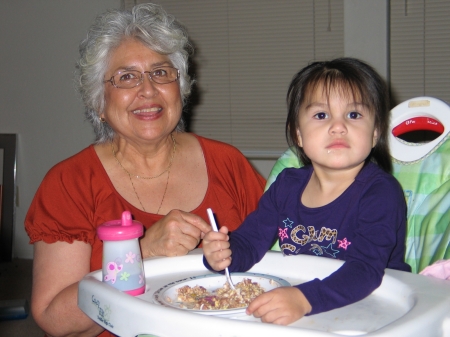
x=38, y=51
x=366, y=32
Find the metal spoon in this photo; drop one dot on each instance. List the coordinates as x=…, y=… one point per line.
x=215, y=229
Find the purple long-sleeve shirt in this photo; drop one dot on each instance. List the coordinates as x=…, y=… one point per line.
x=365, y=226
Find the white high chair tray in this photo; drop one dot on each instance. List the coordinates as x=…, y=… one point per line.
x=404, y=305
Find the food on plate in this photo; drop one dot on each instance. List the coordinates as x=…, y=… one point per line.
x=199, y=298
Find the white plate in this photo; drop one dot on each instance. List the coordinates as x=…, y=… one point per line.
x=167, y=295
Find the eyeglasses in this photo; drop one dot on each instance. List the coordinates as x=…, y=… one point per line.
x=132, y=78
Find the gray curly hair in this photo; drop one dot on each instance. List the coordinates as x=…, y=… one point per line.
x=149, y=24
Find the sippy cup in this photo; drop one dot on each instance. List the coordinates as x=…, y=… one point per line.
x=122, y=265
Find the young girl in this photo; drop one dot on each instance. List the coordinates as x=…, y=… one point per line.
x=342, y=204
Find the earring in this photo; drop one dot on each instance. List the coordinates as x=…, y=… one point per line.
x=103, y=120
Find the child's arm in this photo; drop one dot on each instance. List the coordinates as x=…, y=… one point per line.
x=280, y=306
x=216, y=249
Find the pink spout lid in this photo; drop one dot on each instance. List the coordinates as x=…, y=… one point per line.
x=122, y=229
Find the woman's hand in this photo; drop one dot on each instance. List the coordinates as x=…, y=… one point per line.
x=280, y=306
x=174, y=235
x=216, y=249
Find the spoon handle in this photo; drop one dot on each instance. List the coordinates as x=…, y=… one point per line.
x=215, y=229
x=212, y=220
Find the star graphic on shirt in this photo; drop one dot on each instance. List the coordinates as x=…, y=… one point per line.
x=288, y=223
x=344, y=243
x=282, y=233
x=329, y=250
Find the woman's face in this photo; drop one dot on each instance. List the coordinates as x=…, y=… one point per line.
x=149, y=111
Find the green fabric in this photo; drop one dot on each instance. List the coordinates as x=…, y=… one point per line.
x=427, y=191
x=287, y=159
x=426, y=186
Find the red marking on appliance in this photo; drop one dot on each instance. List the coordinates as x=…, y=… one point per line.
x=418, y=123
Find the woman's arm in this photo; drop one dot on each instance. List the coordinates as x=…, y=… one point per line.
x=57, y=269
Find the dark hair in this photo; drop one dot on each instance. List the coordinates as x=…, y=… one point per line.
x=351, y=76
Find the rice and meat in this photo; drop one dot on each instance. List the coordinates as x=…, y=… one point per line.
x=199, y=298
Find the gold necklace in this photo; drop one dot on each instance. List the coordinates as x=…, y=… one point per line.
x=140, y=177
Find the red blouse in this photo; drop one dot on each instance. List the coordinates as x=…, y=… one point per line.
x=77, y=195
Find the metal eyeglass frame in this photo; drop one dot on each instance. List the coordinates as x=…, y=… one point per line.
x=111, y=80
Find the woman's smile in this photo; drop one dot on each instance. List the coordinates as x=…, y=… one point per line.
x=148, y=113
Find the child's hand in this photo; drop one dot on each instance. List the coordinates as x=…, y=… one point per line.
x=280, y=306
x=216, y=249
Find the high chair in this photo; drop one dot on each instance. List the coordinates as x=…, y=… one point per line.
x=405, y=304
x=421, y=163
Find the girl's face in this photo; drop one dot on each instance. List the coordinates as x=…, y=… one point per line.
x=336, y=131
x=149, y=111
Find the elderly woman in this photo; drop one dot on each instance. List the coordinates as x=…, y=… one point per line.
x=133, y=80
